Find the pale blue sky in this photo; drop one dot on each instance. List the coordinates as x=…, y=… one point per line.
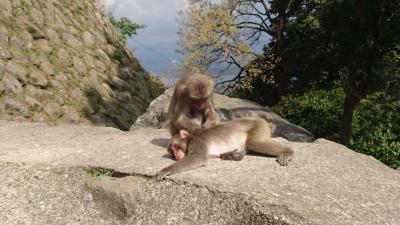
x=158, y=15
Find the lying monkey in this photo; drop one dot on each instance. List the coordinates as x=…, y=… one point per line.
x=224, y=140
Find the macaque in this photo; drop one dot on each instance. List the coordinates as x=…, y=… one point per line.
x=191, y=105
x=229, y=141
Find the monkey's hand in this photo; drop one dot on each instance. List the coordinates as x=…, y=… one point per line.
x=162, y=174
x=284, y=158
x=212, y=119
x=234, y=155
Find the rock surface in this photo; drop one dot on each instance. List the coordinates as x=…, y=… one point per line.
x=228, y=109
x=66, y=54
x=43, y=182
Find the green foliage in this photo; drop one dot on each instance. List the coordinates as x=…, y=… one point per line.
x=376, y=128
x=98, y=173
x=126, y=26
x=376, y=123
x=318, y=111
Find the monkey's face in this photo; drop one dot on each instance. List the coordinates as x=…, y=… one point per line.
x=178, y=146
x=198, y=96
x=199, y=104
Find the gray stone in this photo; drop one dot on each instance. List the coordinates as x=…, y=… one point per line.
x=27, y=39
x=58, y=22
x=37, y=16
x=47, y=67
x=15, y=42
x=89, y=61
x=70, y=115
x=228, y=109
x=324, y=184
x=4, y=54
x=53, y=110
x=40, y=117
x=35, y=31
x=57, y=85
x=15, y=106
x=72, y=30
x=58, y=100
x=87, y=38
x=12, y=85
x=33, y=58
x=79, y=65
x=101, y=88
x=100, y=38
x=38, y=78
x=43, y=45
x=124, y=96
x=20, y=118
x=6, y=8
x=71, y=40
x=101, y=67
x=64, y=201
x=34, y=92
x=18, y=70
x=19, y=56
x=62, y=57
x=21, y=21
x=33, y=104
x=53, y=36
x=76, y=94
x=117, y=83
x=3, y=36
x=61, y=77
x=47, y=95
x=2, y=68
x=103, y=55
x=2, y=88
x=5, y=116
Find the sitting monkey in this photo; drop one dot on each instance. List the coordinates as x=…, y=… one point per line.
x=226, y=140
x=191, y=106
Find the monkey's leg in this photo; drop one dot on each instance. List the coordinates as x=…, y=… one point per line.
x=259, y=140
x=191, y=161
x=234, y=155
x=268, y=147
x=283, y=153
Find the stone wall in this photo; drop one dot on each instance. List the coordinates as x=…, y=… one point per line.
x=62, y=61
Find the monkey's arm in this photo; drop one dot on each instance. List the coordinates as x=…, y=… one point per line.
x=185, y=123
x=191, y=161
x=212, y=118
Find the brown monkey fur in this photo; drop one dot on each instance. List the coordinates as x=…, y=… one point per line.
x=226, y=139
x=191, y=105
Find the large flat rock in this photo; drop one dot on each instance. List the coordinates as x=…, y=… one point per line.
x=326, y=183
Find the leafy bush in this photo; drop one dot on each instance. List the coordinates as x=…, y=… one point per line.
x=126, y=26
x=317, y=111
x=376, y=121
x=376, y=128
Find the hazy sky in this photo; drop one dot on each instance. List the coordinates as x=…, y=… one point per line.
x=158, y=15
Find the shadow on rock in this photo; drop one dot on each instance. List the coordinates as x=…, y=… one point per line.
x=162, y=142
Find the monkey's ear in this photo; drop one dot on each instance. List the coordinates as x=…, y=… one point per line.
x=184, y=133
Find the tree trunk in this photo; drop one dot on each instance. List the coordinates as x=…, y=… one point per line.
x=282, y=79
x=350, y=102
